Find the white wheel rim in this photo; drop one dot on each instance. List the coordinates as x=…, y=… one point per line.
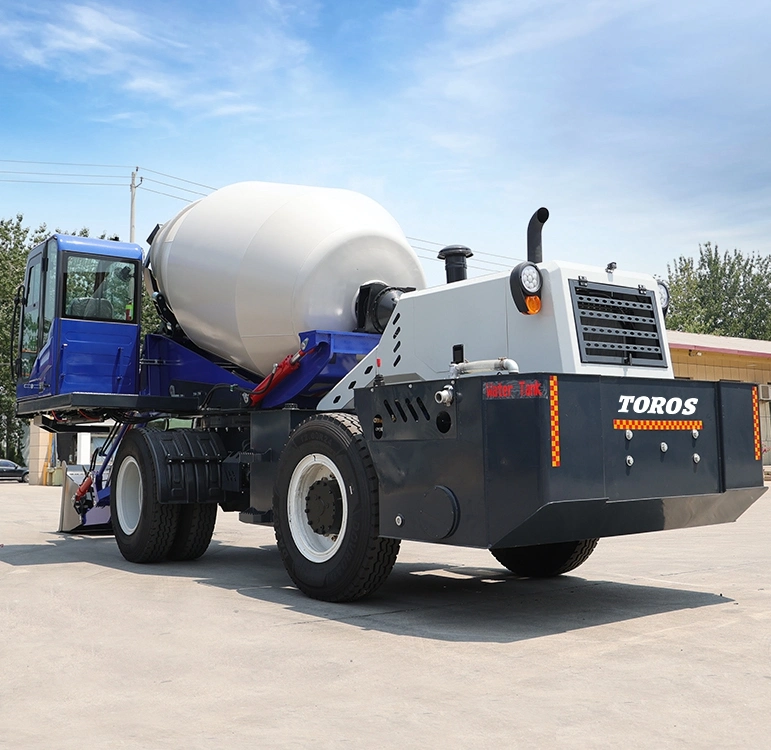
x=315, y=547
x=128, y=495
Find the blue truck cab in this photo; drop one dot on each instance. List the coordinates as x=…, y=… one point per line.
x=79, y=322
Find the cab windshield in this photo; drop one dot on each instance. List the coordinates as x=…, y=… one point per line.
x=97, y=288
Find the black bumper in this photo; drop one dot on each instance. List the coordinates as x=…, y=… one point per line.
x=536, y=458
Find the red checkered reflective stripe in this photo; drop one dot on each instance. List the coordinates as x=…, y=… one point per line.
x=756, y=423
x=657, y=424
x=554, y=415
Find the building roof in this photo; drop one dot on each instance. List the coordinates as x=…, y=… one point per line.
x=721, y=344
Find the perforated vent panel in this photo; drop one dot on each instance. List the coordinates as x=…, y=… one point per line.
x=617, y=325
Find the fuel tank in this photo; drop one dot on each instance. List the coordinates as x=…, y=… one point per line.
x=249, y=267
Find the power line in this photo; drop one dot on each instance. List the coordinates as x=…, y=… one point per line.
x=66, y=164
x=168, y=195
x=62, y=182
x=166, y=184
x=476, y=259
x=105, y=166
x=486, y=262
x=63, y=174
x=470, y=265
x=476, y=252
x=509, y=258
x=179, y=179
x=428, y=242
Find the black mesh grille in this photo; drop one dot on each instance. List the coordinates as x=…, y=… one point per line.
x=617, y=325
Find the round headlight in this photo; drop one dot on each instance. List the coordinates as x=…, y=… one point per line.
x=525, y=283
x=530, y=278
x=663, y=295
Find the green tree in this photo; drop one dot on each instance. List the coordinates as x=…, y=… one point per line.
x=15, y=242
x=726, y=294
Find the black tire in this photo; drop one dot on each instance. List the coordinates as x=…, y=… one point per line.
x=545, y=560
x=335, y=555
x=144, y=528
x=195, y=527
x=24, y=477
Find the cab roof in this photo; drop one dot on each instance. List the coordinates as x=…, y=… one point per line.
x=94, y=246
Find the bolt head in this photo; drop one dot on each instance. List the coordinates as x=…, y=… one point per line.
x=695, y=434
x=399, y=520
x=696, y=458
x=628, y=434
x=629, y=460
x=664, y=447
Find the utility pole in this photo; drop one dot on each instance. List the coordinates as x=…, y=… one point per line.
x=134, y=185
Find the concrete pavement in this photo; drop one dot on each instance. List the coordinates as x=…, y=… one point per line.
x=658, y=641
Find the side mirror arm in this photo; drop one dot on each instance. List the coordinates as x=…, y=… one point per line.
x=14, y=363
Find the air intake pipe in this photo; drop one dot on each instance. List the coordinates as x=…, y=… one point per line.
x=454, y=257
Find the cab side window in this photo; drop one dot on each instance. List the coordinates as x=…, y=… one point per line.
x=49, y=293
x=98, y=289
x=30, y=326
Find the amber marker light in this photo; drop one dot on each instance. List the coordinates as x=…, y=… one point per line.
x=533, y=305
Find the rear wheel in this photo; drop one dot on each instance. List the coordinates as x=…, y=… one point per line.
x=195, y=527
x=545, y=560
x=24, y=477
x=144, y=528
x=325, y=509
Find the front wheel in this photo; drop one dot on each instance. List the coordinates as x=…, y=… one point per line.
x=24, y=477
x=144, y=528
x=325, y=509
x=545, y=560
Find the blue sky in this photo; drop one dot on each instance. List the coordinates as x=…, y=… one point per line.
x=642, y=125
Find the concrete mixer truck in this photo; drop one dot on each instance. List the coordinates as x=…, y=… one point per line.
x=330, y=394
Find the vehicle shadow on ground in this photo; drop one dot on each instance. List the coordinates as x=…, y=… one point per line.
x=425, y=600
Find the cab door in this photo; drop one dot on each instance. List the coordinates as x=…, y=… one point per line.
x=28, y=383
x=37, y=357
x=48, y=355
x=99, y=325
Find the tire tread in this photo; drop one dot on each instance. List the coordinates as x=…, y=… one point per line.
x=151, y=541
x=545, y=560
x=194, y=531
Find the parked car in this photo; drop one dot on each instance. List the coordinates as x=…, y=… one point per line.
x=10, y=470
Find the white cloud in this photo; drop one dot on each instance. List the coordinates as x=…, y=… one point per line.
x=74, y=41
x=148, y=53
x=228, y=110
x=104, y=25
x=160, y=86
x=495, y=30
x=121, y=117
x=88, y=28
